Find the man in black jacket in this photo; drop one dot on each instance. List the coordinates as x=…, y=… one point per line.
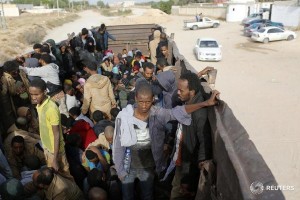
x=193, y=143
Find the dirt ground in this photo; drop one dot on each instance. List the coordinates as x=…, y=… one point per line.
x=27, y=29
x=258, y=81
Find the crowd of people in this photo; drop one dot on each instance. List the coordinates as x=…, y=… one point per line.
x=83, y=122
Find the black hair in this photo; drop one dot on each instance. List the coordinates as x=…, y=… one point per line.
x=37, y=46
x=193, y=81
x=45, y=49
x=161, y=62
x=36, y=55
x=67, y=88
x=84, y=31
x=98, y=116
x=143, y=88
x=148, y=65
x=45, y=176
x=38, y=83
x=63, y=119
x=17, y=139
x=46, y=58
x=32, y=162
x=89, y=64
x=114, y=112
x=89, y=154
x=75, y=111
x=164, y=44
x=10, y=66
x=73, y=139
x=102, y=26
x=95, y=177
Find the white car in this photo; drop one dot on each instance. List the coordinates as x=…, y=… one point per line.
x=204, y=23
x=208, y=49
x=272, y=33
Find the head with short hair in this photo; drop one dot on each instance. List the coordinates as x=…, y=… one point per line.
x=38, y=90
x=148, y=68
x=188, y=86
x=114, y=113
x=74, y=112
x=144, y=97
x=12, y=68
x=18, y=145
x=45, y=49
x=91, y=156
x=97, y=193
x=37, y=56
x=161, y=63
x=84, y=32
x=109, y=134
x=89, y=66
x=37, y=48
x=42, y=178
x=98, y=116
x=45, y=59
x=164, y=49
x=68, y=89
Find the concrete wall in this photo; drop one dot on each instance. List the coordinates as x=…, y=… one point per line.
x=291, y=15
x=214, y=12
x=11, y=10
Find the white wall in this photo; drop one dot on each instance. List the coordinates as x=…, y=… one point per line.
x=11, y=12
x=236, y=12
x=291, y=15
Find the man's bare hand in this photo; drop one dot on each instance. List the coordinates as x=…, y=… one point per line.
x=205, y=70
x=213, y=100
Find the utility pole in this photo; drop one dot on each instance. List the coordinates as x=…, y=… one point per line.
x=2, y=15
x=57, y=7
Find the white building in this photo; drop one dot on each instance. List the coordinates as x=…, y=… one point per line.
x=10, y=10
x=127, y=4
x=289, y=9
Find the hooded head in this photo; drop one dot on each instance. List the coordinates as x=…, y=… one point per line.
x=156, y=35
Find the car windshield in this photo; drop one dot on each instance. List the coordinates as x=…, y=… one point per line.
x=254, y=25
x=208, y=44
x=252, y=15
x=261, y=30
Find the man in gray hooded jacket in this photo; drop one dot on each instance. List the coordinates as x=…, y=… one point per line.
x=140, y=129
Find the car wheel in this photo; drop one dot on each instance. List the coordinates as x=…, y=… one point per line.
x=215, y=25
x=195, y=27
x=290, y=37
x=266, y=40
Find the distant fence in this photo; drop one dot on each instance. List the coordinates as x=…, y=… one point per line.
x=238, y=163
x=210, y=11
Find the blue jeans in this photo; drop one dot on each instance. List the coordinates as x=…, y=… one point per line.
x=146, y=177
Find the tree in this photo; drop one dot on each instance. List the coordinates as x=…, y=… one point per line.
x=101, y=4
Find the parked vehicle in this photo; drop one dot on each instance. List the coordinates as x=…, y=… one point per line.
x=272, y=33
x=252, y=17
x=254, y=21
x=208, y=49
x=204, y=23
x=254, y=27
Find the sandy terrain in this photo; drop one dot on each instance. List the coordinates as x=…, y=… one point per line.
x=26, y=30
x=258, y=81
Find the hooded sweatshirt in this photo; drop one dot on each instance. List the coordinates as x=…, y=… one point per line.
x=153, y=45
x=168, y=83
x=98, y=95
